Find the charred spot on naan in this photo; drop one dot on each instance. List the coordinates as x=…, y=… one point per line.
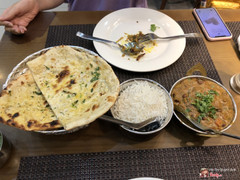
x=70, y=83
x=13, y=123
x=95, y=106
x=64, y=73
x=15, y=115
x=53, y=59
x=111, y=99
x=95, y=85
x=6, y=91
x=2, y=93
x=101, y=94
x=87, y=110
x=54, y=123
x=33, y=124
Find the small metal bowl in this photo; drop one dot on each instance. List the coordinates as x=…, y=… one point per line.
x=155, y=126
x=184, y=120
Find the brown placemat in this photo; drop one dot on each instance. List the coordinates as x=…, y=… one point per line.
x=170, y=163
x=234, y=27
x=195, y=52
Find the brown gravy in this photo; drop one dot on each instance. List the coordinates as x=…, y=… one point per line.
x=204, y=101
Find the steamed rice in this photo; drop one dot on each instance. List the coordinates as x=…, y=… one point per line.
x=140, y=101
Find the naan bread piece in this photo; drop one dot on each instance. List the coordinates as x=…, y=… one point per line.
x=22, y=105
x=79, y=86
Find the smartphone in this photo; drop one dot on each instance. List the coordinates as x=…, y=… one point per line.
x=212, y=24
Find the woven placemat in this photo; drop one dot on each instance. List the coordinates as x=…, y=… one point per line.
x=66, y=35
x=170, y=163
x=195, y=52
x=234, y=27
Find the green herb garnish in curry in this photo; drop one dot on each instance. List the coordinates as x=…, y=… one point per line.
x=203, y=103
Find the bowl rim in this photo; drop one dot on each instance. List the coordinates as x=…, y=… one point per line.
x=166, y=121
x=205, y=77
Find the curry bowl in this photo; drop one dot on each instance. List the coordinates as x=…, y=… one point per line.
x=140, y=99
x=206, y=101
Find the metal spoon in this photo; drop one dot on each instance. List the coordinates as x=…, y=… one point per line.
x=130, y=48
x=202, y=127
x=128, y=124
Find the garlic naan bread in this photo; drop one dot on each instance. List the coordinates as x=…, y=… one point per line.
x=22, y=105
x=79, y=86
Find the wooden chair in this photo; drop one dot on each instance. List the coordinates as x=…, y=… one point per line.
x=196, y=5
x=163, y=4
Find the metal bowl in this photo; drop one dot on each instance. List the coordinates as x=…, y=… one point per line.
x=188, y=124
x=22, y=67
x=155, y=126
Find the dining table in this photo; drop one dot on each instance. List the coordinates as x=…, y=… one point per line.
x=102, y=147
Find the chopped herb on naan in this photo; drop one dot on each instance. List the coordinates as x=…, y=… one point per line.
x=22, y=105
x=78, y=85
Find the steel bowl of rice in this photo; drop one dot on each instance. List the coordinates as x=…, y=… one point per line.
x=140, y=99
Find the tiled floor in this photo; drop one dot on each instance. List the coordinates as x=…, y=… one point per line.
x=153, y=4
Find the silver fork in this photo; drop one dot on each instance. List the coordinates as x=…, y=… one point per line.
x=131, y=48
x=152, y=36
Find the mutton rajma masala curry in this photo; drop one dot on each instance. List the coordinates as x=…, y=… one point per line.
x=204, y=101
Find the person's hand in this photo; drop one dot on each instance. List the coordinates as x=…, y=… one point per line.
x=19, y=15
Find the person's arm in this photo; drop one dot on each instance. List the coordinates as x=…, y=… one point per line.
x=48, y=4
x=17, y=17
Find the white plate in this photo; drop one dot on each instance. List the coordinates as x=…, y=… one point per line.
x=131, y=21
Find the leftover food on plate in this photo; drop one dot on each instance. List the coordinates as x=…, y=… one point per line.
x=63, y=86
x=153, y=27
x=204, y=101
x=136, y=39
x=22, y=105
